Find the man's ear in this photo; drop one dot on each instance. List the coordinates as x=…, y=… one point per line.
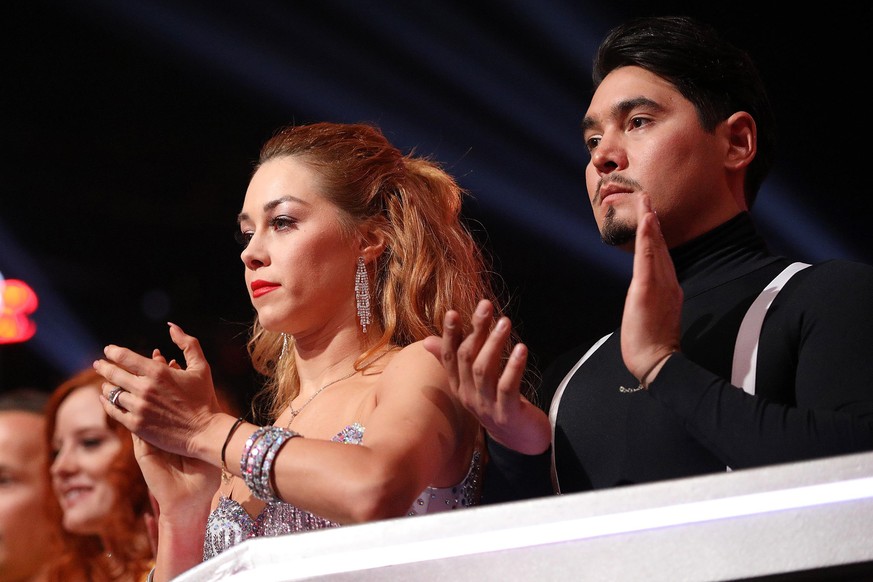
x=742, y=140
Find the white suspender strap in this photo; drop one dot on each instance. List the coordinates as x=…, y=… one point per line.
x=556, y=400
x=746, y=348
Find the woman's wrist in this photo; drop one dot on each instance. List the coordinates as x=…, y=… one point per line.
x=207, y=444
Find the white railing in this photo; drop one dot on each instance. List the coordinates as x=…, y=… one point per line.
x=812, y=520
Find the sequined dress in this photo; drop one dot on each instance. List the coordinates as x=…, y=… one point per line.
x=229, y=524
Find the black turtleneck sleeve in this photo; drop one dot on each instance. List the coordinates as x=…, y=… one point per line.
x=815, y=377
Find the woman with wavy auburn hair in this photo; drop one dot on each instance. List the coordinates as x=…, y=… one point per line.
x=353, y=253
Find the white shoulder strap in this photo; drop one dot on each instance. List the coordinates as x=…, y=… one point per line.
x=746, y=348
x=748, y=336
x=556, y=401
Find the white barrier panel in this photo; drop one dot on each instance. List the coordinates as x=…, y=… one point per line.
x=801, y=521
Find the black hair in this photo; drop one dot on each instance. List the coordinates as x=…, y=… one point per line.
x=713, y=74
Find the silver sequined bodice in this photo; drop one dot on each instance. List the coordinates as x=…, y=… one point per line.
x=229, y=524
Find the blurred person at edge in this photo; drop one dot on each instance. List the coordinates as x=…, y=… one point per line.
x=100, y=496
x=26, y=528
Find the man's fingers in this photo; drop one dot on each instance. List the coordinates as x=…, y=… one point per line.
x=509, y=385
x=448, y=346
x=474, y=363
x=487, y=366
x=651, y=322
x=469, y=349
x=434, y=344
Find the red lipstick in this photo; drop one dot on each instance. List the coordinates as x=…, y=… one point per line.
x=260, y=287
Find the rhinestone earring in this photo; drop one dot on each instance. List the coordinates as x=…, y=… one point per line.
x=362, y=294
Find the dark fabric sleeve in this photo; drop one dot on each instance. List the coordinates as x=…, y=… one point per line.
x=513, y=476
x=831, y=411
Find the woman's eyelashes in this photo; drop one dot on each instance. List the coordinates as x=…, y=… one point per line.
x=88, y=443
x=92, y=442
x=243, y=237
x=277, y=223
x=282, y=222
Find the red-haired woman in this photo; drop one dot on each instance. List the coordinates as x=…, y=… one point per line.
x=100, y=495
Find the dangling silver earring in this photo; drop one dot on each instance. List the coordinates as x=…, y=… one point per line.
x=284, y=345
x=362, y=294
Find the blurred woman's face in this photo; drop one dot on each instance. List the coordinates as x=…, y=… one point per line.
x=84, y=448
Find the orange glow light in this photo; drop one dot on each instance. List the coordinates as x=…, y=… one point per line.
x=17, y=302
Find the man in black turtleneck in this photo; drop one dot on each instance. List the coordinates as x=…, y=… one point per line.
x=772, y=361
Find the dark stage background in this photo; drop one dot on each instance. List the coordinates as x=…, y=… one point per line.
x=129, y=129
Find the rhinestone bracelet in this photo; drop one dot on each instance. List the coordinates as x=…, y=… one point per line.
x=256, y=463
x=259, y=454
x=249, y=455
x=266, y=491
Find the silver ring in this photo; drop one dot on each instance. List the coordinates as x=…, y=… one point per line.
x=113, y=397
